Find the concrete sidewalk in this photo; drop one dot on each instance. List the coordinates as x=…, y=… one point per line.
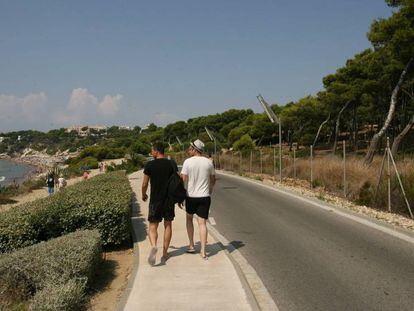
x=186, y=281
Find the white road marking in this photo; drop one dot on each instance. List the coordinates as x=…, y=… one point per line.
x=212, y=221
x=403, y=236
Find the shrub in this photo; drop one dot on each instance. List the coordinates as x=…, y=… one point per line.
x=78, y=164
x=129, y=166
x=102, y=203
x=102, y=152
x=50, y=275
x=245, y=144
x=140, y=148
x=69, y=296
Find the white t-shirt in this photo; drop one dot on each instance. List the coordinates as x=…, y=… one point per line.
x=61, y=182
x=199, y=170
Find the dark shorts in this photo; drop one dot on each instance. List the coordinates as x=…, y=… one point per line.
x=199, y=206
x=160, y=210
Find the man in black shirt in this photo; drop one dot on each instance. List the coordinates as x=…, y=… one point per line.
x=50, y=181
x=158, y=173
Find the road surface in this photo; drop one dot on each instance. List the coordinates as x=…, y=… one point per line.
x=310, y=258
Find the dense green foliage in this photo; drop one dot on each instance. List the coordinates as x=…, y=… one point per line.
x=130, y=165
x=101, y=203
x=51, y=275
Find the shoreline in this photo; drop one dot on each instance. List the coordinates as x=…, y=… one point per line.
x=33, y=171
x=37, y=164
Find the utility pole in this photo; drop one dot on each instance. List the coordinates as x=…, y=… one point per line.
x=212, y=138
x=275, y=120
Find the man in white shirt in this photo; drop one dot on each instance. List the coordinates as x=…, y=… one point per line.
x=199, y=175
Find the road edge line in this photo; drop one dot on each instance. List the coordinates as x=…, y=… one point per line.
x=247, y=274
x=405, y=236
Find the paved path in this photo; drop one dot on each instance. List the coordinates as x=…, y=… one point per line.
x=185, y=282
x=310, y=258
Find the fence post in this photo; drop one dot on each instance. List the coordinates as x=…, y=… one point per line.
x=261, y=162
x=344, y=148
x=401, y=185
x=311, y=166
x=294, y=162
x=241, y=163
x=388, y=174
x=274, y=163
x=251, y=160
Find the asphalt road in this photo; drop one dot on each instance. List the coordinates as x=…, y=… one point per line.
x=312, y=259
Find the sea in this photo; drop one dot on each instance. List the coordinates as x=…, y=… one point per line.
x=11, y=172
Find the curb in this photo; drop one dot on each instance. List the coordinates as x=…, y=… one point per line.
x=125, y=295
x=257, y=294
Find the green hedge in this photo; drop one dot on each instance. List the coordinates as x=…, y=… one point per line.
x=102, y=203
x=51, y=275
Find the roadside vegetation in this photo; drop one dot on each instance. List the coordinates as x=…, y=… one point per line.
x=52, y=275
x=101, y=203
x=328, y=175
x=50, y=249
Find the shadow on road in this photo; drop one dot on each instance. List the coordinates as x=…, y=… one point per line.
x=236, y=245
x=139, y=232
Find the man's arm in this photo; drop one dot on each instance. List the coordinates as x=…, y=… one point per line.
x=145, y=187
x=212, y=183
x=184, y=178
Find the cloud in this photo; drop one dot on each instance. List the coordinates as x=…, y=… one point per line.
x=81, y=100
x=84, y=107
x=35, y=111
x=110, y=105
x=17, y=112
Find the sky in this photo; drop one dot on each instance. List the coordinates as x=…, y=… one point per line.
x=66, y=63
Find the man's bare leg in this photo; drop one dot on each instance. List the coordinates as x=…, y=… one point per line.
x=153, y=235
x=167, y=237
x=203, y=235
x=190, y=231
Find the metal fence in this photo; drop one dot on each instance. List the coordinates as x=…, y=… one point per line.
x=342, y=173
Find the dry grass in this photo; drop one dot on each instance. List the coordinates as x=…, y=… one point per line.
x=328, y=170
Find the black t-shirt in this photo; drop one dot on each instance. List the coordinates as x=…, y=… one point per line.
x=159, y=171
x=50, y=181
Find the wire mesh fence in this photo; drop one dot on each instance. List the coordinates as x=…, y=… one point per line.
x=341, y=174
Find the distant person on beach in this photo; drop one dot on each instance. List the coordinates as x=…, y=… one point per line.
x=100, y=166
x=50, y=181
x=158, y=173
x=85, y=174
x=61, y=183
x=199, y=174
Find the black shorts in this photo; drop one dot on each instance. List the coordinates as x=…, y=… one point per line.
x=199, y=206
x=161, y=210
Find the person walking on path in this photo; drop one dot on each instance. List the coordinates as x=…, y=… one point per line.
x=158, y=173
x=199, y=174
x=50, y=181
x=61, y=182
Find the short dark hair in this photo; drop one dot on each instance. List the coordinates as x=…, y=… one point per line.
x=158, y=146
